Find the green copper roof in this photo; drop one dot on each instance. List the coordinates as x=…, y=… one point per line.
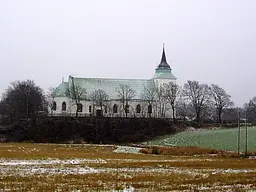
x=110, y=86
x=61, y=90
x=164, y=74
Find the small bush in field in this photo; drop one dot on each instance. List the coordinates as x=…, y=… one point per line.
x=181, y=151
x=155, y=150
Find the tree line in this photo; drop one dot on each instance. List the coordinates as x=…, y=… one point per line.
x=192, y=101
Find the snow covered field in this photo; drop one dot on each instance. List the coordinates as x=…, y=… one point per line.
x=40, y=167
x=55, y=166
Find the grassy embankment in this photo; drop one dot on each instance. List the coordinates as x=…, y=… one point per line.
x=223, y=139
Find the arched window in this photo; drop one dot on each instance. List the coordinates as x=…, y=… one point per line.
x=90, y=109
x=150, y=109
x=54, y=106
x=115, y=108
x=64, y=106
x=79, y=107
x=106, y=109
x=138, y=108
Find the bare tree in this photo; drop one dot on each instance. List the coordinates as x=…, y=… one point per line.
x=184, y=109
x=156, y=97
x=51, y=95
x=172, y=93
x=230, y=115
x=221, y=100
x=99, y=97
x=199, y=95
x=78, y=94
x=148, y=95
x=250, y=108
x=161, y=101
x=125, y=93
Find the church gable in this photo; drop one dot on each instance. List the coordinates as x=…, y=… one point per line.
x=62, y=90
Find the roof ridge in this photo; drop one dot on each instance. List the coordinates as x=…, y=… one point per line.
x=109, y=78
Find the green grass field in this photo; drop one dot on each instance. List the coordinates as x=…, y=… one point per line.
x=224, y=139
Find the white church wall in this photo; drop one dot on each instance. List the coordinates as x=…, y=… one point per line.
x=132, y=109
x=59, y=101
x=85, y=108
x=161, y=82
x=71, y=108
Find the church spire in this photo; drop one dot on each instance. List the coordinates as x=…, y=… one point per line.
x=163, y=64
x=163, y=60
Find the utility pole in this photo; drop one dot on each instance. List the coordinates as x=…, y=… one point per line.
x=246, y=134
x=238, y=134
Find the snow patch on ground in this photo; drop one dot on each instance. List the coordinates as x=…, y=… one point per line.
x=23, y=167
x=127, y=149
x=82, y=166
x=14, y=162
x=223, y=171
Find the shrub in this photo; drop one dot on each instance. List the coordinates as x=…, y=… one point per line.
x=180, y=151
x=91, y=129
x=155, y=150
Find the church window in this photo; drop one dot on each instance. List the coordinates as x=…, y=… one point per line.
x=115, y=108
x=90, y=109
x=54, y=106
x=150, y=109
x=106, y=109
x=138, y=108
x=64, y=106
x=79, y=107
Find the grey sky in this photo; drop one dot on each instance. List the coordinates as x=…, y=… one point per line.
x=212, y=41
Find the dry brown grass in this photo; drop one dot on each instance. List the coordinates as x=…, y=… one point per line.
x=35, y=151
x=140, y=181
x=191, y=151
x=191, y=169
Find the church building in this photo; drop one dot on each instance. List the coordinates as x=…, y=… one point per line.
x=67, y=100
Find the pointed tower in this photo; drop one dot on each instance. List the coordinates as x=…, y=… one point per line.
x=163, y=72
x=163, y=64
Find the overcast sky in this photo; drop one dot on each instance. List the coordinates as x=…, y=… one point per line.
x=212, y=41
